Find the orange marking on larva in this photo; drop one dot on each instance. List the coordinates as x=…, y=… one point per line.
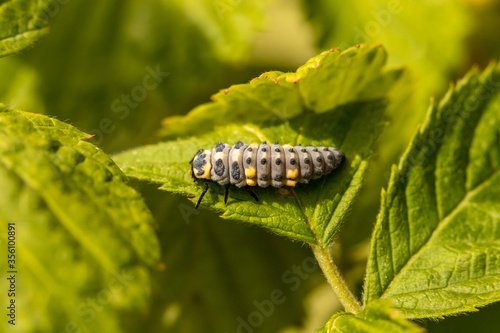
x=251, y=182
x=292, y=174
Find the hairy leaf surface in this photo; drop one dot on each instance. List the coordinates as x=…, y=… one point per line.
x=436, y=245
x=22, y=23
x=82, y=233
x=377, y=317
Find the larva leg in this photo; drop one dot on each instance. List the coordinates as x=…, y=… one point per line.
x=205, y=189
x=252, y=193
x=226, y=194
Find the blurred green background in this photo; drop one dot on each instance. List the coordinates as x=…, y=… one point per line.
x=212, y=271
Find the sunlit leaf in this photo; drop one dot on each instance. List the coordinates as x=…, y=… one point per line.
x=22, y=23
x=312, y=213
x=377, y=317
x=83, y=234
x=436, y=246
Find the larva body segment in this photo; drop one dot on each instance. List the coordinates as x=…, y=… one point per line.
x=250, y=164
x=220, y=165
x=263, y=165
x=236, y=169
x=305, y=165
x=278, y=174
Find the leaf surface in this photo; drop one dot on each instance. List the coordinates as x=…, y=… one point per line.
x=22, y=23
x=328, y=80
x=311, y=213
x=436, y=245
x=378, y=316
x=82, y=233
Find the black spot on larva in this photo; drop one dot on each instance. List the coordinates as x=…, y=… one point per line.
x=307, y=174
x=278, y=161
x=278, y=177
x=276, y=143
x=250, y=149
x=219, y=147
x=235, y=171
x=203, y=155
x=277, y=150
x=238, y=145
x=292, y=161
x=318, y=159
x=299, y=144
x=264, y=149
x=263, y=176
x=219, y=167
x=249, y=160
x=318, y=172
x=199, y=162
x=264, y=143
x=315, y=149
x=263, y=161
x=200, y=172
x=306, y=160
x=290, y=150
x=303, y=150
x=330, y=157
x=325, y=149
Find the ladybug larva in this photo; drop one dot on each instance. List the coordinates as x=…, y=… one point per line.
x=262, y=165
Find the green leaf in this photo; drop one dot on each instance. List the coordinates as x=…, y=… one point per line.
x=378, y=316
x=82, y=233
x=22, y=23
x=312, y=213
x=398, y=26
x=330, y=79
x=436, y=244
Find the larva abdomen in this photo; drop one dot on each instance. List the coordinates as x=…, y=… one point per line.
x=263, y=165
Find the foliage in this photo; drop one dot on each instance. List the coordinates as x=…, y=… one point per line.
x=88, y=245
x=309, y=214
x=80, y=226
x=22, y=23
x=435, y=247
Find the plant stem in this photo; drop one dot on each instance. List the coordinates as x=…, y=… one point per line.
x=332, y=274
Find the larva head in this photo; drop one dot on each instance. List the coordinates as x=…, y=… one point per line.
x=201, y=164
